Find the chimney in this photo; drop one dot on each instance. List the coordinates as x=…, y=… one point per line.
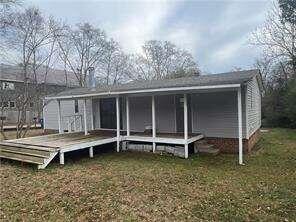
x=91, y=77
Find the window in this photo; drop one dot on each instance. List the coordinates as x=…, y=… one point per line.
x=5, y=104
x=8, y=85
x=12, y=104
x=31, y=104
x=76, y=107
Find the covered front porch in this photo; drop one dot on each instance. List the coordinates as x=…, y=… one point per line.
x=135, y=116
x=118, y=121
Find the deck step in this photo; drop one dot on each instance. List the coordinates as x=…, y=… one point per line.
x=25, y=151
x=22, y=157
x=201, y=142
x=205, y=146
x=202, y=147
x=27, y=146
x=211, y=151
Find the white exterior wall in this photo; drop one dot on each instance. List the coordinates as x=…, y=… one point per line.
x=253, y=106
x=165, y=113
x=215, y=114
x=141, y=113
x=50, y=113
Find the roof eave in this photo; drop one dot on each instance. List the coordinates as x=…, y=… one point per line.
x=115, y=93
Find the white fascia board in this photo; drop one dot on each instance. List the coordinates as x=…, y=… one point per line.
x=110, y=93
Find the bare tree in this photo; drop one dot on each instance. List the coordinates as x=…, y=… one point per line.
x=30, y=39
x=278, y=39
x=82, y=48
x=7, y=8
x=164, y=60
x=115, y=67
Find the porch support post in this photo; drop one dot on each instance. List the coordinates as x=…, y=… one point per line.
x=240, y=131
x=91, y=152
x=62, y=159
x=99, y=113
x=127, y=117
x=92, y=114
x=59, y=117
x=186, y=125
x=118, y=123
x=153, y=123
x=84, y=116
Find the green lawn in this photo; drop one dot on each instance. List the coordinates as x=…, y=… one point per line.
x=143, y=186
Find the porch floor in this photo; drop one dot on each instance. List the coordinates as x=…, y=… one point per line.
x=42, y=149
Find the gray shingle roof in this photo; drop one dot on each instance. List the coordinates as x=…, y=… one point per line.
x=54, y=76
x=237, y=77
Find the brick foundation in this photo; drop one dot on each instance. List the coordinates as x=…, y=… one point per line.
x=230, y=145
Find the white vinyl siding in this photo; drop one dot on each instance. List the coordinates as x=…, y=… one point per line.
x=50, y=113
x=215, y=114
x=253, y=106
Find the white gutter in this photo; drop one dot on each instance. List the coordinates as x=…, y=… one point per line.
x=226, y=86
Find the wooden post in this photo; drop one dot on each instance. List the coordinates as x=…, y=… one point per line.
x=186, y=125
x=240, y=131
x=118, y=123
x=127, y=117
x=99, y=113
x=153, y=122
x=80, y=118
x=84, y=116
x=62, y=159
x=59, y=117
x=91, y=152
x=92, y=114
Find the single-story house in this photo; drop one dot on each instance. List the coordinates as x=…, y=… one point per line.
x=224, y=108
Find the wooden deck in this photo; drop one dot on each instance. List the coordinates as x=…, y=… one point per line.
x=63, y=141
x=42, y=149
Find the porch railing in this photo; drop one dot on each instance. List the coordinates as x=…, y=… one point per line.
x=74, y=122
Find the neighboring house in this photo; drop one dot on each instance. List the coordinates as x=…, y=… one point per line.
x=12, y=86
x=225, y=108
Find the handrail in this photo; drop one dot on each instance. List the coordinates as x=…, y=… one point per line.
x=72, y=122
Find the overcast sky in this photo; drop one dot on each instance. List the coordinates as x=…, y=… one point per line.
x=215, y=32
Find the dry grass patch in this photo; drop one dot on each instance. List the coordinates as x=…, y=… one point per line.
x=143, y=186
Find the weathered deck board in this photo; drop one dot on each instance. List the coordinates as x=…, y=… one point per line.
x=42, y=149
x=21, y=157
x=27, y=146
x=25, y=151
